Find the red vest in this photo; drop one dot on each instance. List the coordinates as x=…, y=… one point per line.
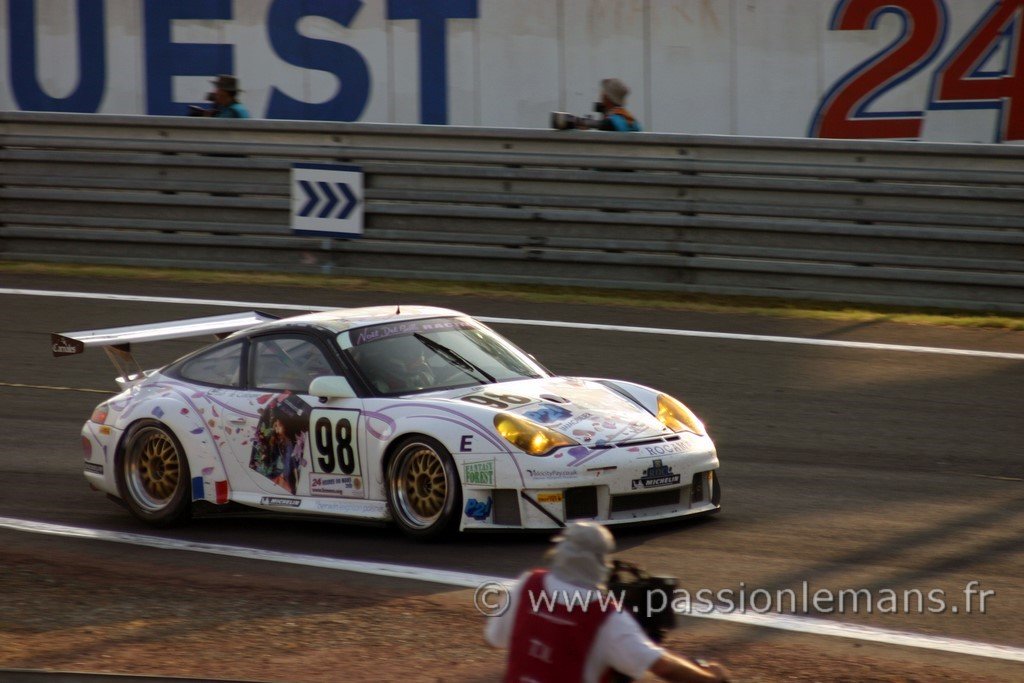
x=551, y=646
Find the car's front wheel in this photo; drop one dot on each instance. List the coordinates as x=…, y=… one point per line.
x=153, y=475
x=423, y=487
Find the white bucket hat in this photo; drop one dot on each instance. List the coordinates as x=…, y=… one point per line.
x=615, y=90
x=580, y=555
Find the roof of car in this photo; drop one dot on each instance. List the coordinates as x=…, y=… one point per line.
x=341, y=319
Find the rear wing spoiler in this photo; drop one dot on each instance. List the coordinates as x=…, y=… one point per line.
x=117, y=341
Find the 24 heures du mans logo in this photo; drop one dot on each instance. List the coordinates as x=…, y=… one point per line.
x=658, y=474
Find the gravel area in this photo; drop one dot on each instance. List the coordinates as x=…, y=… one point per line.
x=61, y=610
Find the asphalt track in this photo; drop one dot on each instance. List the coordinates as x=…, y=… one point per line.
x=842, y=468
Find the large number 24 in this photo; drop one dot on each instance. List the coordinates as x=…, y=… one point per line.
x=960, y=82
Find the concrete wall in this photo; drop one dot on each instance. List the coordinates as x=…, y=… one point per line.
x=934, y=70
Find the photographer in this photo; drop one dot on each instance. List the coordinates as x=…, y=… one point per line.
x=613, y=100
x=225, y=100
x=614, y=115
x=562, y=643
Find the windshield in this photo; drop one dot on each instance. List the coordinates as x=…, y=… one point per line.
x=438, y=353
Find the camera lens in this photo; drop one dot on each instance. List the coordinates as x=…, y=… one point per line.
x=561, y=120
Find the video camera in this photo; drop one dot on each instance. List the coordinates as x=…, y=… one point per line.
x=562, y=120
x=634, y=586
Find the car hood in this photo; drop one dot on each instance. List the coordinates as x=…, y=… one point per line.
x=588, y=411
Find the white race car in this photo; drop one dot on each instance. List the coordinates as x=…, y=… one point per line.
x=419, y=415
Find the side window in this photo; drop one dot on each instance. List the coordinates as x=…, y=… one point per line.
x=221, y=367
x=286, y=363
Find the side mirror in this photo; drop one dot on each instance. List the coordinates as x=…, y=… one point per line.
x=331, y=386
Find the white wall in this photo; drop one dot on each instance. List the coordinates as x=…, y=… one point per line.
x=741, y=67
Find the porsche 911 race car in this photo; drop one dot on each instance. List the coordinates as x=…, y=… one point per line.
x=419, y=415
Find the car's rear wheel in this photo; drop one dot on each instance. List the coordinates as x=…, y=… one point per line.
x=153, y=475
x=424, y=491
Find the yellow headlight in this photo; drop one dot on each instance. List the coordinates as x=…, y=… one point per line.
x=529, y=436
x=678, y=417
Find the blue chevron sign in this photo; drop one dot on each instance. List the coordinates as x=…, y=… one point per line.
x=327, y=200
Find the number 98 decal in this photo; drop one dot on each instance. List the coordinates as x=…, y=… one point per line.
x=334, y=448
x=967, y=78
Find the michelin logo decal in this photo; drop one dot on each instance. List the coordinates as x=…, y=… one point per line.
x=656, y=475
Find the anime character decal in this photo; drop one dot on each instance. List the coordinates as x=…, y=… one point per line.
x=278, y=449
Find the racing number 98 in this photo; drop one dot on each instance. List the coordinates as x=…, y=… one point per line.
x=334, y=446
x=499, y=401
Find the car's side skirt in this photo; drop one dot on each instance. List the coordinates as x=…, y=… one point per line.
x=334, y=507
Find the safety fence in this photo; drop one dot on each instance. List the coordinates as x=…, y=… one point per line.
x=918, y=224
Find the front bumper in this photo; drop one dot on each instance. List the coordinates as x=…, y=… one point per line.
x=611, y=491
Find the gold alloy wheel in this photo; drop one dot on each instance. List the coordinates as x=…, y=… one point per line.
x=153, y=469
x=420, y=485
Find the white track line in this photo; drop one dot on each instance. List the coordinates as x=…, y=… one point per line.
x=764, y=338
x=548, y=323
x=442, y=576
x=158, y=299
x=466, y=580
x=821, y=627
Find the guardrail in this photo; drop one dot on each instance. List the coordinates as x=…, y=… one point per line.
x=937, y=225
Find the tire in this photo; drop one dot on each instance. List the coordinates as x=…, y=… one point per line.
x=153, y=475
x=424, y=491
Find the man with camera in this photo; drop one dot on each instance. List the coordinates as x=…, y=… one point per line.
x=613, y=100
x=614, y=115
x=559, y=640
x=225, y=100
